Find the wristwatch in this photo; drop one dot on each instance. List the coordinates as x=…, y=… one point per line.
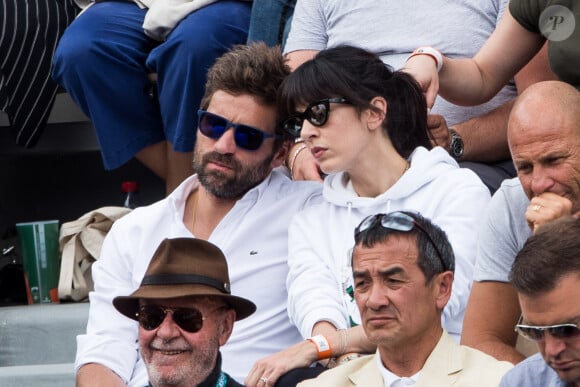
x=455, y=145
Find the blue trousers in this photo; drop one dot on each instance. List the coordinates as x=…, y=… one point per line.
x=103, y=60
x=270, y=21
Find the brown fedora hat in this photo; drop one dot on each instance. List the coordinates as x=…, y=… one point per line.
x=184, y=267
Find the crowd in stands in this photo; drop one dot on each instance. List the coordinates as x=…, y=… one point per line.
x=393, y=31
x=397, y=179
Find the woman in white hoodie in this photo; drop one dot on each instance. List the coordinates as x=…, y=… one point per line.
x=366, y=127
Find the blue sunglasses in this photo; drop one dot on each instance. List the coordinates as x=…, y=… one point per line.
x=246, y=137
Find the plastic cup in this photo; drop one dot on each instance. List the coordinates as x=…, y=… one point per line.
x=40, y=260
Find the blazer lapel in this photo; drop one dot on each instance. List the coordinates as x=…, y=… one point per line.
x=443, y=365
x=368, y=375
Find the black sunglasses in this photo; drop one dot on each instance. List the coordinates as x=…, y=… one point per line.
x=188, y=319
x=537, y=333
x=316, y=113
x=398, y=221
x=246, y=137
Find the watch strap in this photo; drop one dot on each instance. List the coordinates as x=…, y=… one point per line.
x=456, y=146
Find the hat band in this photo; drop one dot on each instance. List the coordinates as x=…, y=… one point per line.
x=181, y=279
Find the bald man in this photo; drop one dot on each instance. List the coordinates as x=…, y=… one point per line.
x=544, y=141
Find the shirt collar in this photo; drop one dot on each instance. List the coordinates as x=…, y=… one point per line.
x=389, y=378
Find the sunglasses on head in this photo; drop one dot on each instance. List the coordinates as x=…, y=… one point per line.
x=316, y=113
x=398, y=221
x=188, y=319
x=246, y=137
x=537, y=333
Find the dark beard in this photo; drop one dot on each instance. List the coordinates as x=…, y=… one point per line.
x=234, y=187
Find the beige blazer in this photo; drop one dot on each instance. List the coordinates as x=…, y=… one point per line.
x=450, y=364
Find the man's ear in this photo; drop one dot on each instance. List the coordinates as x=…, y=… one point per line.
x=443, y=286
x=376, y=117
x=226, y=326
x=281, y=154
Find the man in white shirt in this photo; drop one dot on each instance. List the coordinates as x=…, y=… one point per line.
x=237, y=200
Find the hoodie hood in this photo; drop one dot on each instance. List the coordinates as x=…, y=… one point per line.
x=425, y=166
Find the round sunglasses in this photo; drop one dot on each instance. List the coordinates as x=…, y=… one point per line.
x=316, y=113
x=538, y=333
x=189, y=319
x=398, y=221
x=246, y=137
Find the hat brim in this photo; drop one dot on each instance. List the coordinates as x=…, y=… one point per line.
x=129, y=305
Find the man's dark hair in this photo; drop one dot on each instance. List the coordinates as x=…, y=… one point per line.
x=428, y=260
x=547, y=256
x=256, y=70
x=359, y=76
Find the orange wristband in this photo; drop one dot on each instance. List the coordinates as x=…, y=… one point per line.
x=323, y=348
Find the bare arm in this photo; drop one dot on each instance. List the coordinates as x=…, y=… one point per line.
x=485, y=137
x=357, y=340
x=474, y=81
x=304, y=353
x=537, y=70
x=97, y=375
x=491, y=314
x=296, y=58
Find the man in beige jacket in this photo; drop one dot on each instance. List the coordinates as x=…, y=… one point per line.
x=403, y=274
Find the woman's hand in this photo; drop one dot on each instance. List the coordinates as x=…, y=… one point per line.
x=424, y=69
x=266, y=371
x=302, y=164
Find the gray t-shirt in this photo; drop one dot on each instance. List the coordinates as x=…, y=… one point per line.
x=532, y=372
x=393, y=29
x=503, y=232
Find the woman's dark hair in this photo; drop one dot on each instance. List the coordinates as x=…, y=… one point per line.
x=359, y=76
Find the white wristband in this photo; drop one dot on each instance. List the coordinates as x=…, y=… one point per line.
x=430, y=51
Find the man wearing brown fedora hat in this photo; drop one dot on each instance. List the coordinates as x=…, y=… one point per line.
x=185, y=311
x=238, y=200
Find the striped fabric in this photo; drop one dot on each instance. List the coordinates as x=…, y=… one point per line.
x=29, y=32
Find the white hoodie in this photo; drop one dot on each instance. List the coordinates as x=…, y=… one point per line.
x=321, y=237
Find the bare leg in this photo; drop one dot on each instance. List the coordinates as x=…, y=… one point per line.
x=179, y=167
x=154, y=158
x=169, y=165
